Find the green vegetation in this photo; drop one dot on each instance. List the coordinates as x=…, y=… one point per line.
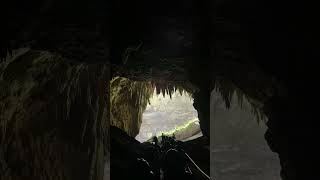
x=182, y=131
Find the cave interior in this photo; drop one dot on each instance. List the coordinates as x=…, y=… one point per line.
x=59, y=59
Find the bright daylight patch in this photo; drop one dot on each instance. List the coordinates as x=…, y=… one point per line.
x=170, y=116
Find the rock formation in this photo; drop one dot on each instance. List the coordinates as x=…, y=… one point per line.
x=128, y=101
x=54, y=117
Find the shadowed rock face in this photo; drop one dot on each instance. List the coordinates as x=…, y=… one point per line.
x=54, y=118
x=125, y=151
x=282, y=43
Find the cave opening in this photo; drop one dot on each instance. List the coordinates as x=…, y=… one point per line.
x=171, y=115
x=170, y=109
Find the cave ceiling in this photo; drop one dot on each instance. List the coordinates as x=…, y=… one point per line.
x=175, y=41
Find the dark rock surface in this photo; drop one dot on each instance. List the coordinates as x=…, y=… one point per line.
x=126, y=150
x=54, y=118
x=199, y=150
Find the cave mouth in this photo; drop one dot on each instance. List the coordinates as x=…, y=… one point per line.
x=170, y=115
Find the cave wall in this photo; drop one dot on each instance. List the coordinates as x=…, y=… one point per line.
x=202, y=105
x=292, y=135
x=128, y=101
x=281, y=42
x=54, y=117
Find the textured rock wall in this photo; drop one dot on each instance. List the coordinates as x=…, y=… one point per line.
x=54, y=118
x=292, y=135
x=129, y=99
x=202, y=105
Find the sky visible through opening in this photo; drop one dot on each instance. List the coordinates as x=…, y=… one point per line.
x=164, y=115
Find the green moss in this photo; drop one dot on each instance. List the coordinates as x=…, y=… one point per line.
x=179, y=129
